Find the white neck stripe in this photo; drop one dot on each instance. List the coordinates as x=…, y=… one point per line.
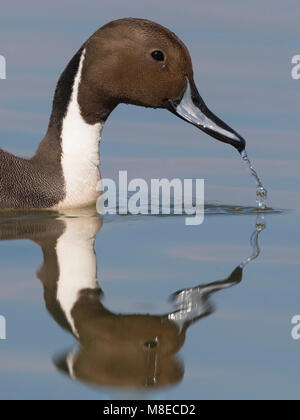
x=80, y=152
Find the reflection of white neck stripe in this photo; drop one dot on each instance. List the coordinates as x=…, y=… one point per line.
x=77, y=264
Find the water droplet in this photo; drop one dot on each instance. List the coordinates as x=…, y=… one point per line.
x=261, y=192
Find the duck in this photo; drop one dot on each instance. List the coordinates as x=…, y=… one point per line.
x=127, y=61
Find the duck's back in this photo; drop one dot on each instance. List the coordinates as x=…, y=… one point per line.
x=25, y=183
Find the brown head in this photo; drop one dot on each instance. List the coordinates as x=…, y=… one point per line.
x=139, y=62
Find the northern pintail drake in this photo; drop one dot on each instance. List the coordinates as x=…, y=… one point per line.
x=131, y=61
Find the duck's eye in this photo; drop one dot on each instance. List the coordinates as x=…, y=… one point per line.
x=150, y=344
x=158, y=55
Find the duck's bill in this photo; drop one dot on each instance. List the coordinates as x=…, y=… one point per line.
x=192, y=109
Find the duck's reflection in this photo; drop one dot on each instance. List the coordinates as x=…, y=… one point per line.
x=123, y=351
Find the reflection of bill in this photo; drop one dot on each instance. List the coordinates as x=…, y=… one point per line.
x=117, y=350
x=2, y=328
x=2, y=67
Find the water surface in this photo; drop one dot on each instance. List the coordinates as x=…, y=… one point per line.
x=160, y=311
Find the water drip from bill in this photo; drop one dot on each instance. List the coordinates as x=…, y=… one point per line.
x=261, y=192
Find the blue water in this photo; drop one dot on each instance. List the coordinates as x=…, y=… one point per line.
x=234, y=335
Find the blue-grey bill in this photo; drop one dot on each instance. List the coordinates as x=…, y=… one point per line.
x=192, y=109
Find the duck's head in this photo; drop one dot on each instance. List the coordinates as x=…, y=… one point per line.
x=139, y=62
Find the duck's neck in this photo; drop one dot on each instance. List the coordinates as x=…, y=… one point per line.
x=71, y=141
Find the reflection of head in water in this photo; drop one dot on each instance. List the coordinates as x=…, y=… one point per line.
x=124, y=351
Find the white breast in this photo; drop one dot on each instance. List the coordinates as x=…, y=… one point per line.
x=80, y=153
